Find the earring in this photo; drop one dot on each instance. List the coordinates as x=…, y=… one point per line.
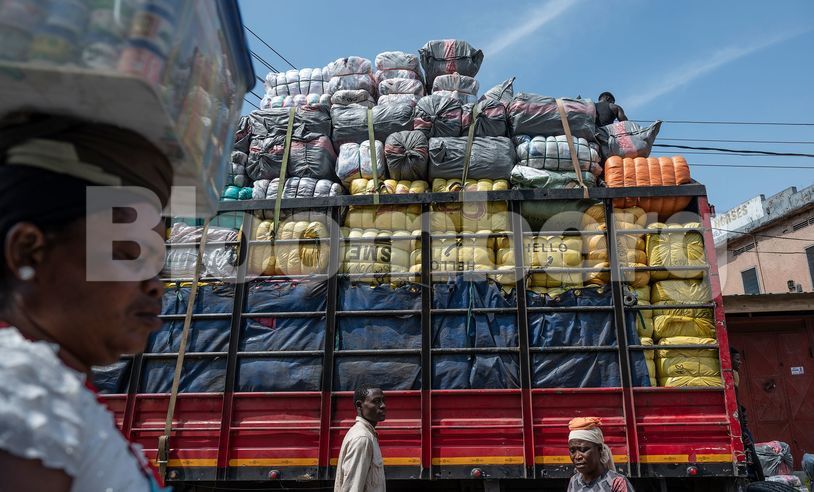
x=26, y=273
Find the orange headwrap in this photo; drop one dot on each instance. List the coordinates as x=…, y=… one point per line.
x=584, y=423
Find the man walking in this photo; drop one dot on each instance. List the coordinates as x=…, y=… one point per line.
x=360, y=467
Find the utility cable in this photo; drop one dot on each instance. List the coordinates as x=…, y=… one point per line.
x=269, y=46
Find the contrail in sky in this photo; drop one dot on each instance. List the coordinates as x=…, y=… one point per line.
x=536, y=18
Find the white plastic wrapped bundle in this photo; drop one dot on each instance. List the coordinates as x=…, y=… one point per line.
x=392, y=99
x=456, y=83
x=397, y=60
x=354, y=162
x=218, y=261
x=237, y=171
x=553, y=153
x=461, y=96
x=351, y=73
x=401, y=86
x=269, y=102
x=293, y=82
x=397, y=74
x=348, y=97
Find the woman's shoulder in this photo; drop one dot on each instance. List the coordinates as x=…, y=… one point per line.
x=42, y=403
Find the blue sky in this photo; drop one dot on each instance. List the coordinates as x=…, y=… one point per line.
x=670, y=60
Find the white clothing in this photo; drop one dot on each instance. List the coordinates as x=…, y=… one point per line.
x=360, y=467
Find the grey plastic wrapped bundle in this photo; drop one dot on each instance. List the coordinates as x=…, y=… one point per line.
x=627, y=139
x=350, y=122
x=351, y=73
x=311, y=155
x=360, y=97
x=295, y=82
x=307, y=119
x=492, y=119
x=397, y=64
x=266, y=189
x=503, y=92
x=528, y=177
x=218, y=261
x=237, y=170
x=448, y=56
x=243, y=134
x=354, y=162
x=408, y=99
x=269, y=102
x=461, y=87
x=439, y=116
x=491, y=158
x=553, y=153
x=401, y=86
x=407, y=154
x=531, y=114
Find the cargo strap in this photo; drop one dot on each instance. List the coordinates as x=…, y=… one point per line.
x=571, y=148
x=470, y=139
x=164, y=441
x=283, y=170
x=374, y=168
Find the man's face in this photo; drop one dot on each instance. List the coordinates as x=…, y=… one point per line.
x=373, y=408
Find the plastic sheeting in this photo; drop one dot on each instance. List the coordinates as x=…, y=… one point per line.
x=627, y=139
x=397, y=64
x=302, y=258
x=112, y=379
x=439, y=116
x=393, y=99
x=266, y=189
x=775, y=458
x=407, y=155
x=296, y=82
x=354, y=162
x=491, y=157
x=382, y=252
x=631, y=247
x=527, y=177
x=448, y=56
x=350, y=122
x=237, y=170
x=218, y=261
x=677, y=322
x=502, y=93
x=542, y=252
x=312, y=156
x=586, y=328
x=534, y=115
x=307, y=119
x=491, y=120
x=469, y=216
x=675, y=249
x=401, y=86
x=460, y=87
x=269, y=102
x=236, y=193
x=687, y=367
x=364, y=186
x=350, y=73
x=347, y=97
x=553, y=153
x=243, y=135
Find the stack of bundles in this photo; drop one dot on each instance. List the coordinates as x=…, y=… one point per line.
x=543, y=252
x=530, y=114
x=386, y=217
x=650, y=360
x=652, y=171
x=449, y=56
x=205, y=335
x=311, y=154
x=675, y=249
x=218, y=260
x=238, y=183
x=378, y=254
x=554, y=154
x=350, y=123
x=678, y=322
x=443, y=116
x=588, y=328
x=644, y=317
x=351, y=81
x=354, y=162
x=469, y=216
x=479, y=330
x=269, y=102
x=305, y=82
x=627, y=139
x=399, y=78
x=284, y=372
x=490, y=158
x=407, y=155
x=266, y=189
x=302, y=258
x=457, y=86
x=688, y=367
x=631, y=247
x=469, y=255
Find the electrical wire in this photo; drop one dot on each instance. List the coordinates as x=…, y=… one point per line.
x=701, y=122
x=751, y=166
x=719, y=140
x=740, y=151
x=264, y=62
x=253, y=104
x=667, y=152
x=255, y=95
x=764, y=235
x=269, y=46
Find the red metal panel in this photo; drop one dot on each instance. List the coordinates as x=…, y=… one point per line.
x=797, y=355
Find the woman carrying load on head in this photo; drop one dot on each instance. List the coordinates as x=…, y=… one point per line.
x=72, y=300
x=592, y=459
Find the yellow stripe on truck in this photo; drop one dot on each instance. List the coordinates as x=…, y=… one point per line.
x=479, y=460
x=566, y=460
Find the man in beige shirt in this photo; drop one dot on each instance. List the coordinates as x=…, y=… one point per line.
x=360, y=467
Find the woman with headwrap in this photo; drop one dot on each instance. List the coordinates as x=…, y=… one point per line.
x=592, y=459
x=72, y=301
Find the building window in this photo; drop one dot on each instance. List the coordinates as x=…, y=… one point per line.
x=810, y=257
x=750, y=285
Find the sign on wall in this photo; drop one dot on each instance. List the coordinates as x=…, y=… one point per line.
x=738, y=217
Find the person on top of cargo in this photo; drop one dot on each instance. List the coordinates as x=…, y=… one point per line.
x=592, y=459
x=607, y=111
x=70, y=304
x=360, y=466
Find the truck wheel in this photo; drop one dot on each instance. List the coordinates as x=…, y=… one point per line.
x=769, y=487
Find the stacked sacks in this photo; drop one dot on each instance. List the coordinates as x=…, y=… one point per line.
x=354, y=162
x=379, y=253
x=553, y=154
x=399, y=78
x=444, y=116
x=688, y=367
x=627, y=139
x=490, y=158
x=662, y=171
x=350, y=123
x=306, y=81
x=351, y=81
x=265, y=189
x=269, y=102
x=644, y=317
x=533, y=115
x=457, y=86
x=238, y=182
x=650, y=360
x=675, y=249
x=678, y=322
x=449, y=56
x=385, y=217
x=311, y=154
x=218, y=261
x=631, y=247
x=305, y=258
x=407, y=154
x=543, y=252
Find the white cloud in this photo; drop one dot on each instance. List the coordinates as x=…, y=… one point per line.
x=536, y=18
x=706, y=64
